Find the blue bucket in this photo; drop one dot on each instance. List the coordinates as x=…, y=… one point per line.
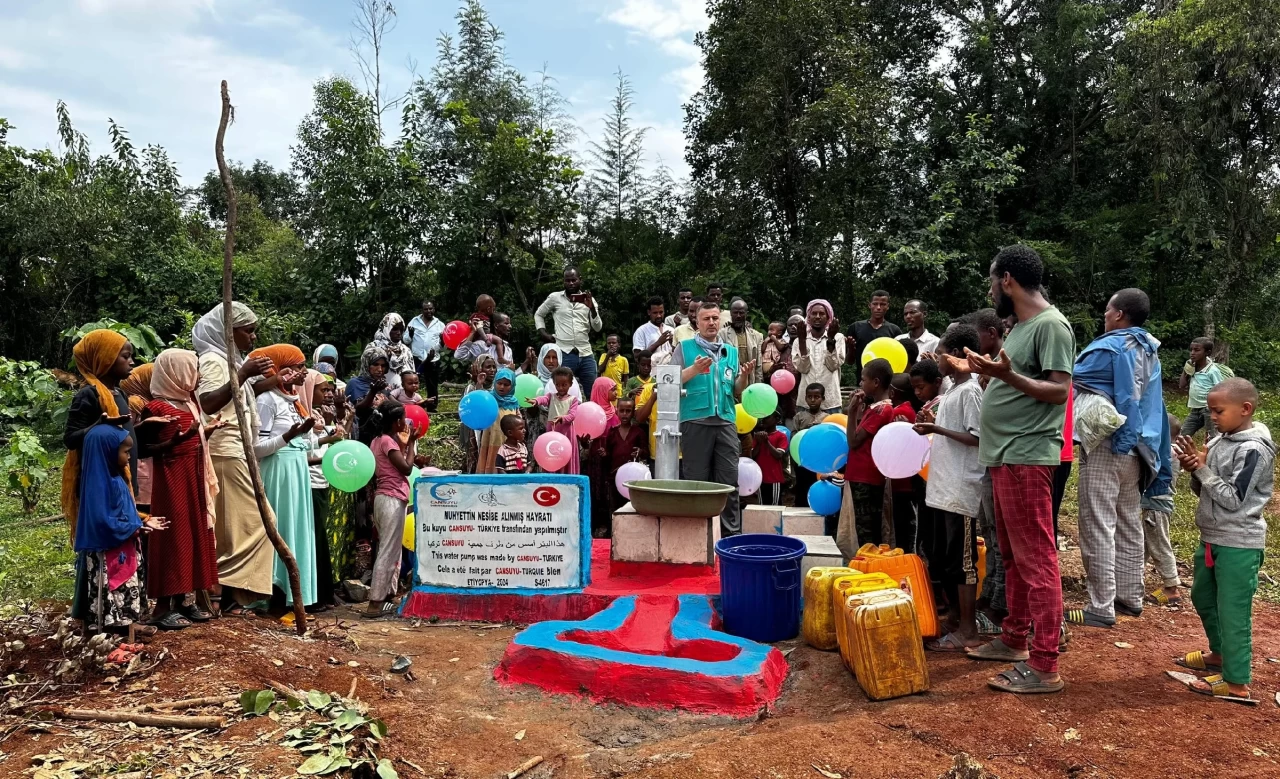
x=760, y=586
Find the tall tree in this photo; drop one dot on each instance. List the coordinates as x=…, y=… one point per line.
x=619, y=153
x=374, y=20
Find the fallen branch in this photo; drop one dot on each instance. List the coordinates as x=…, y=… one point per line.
x=185, y=703
x=288, y=691
x=140, y=718
x=255, y=475
x=352, y=694
x=526, y=766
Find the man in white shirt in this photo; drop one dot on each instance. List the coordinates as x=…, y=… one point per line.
x=423, y=338
x=683, y=297
x=821, y=353
x=653, y=336
x=913, y=314
x=574, y=316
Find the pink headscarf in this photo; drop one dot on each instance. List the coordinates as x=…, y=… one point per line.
x=831, y=313
x=174, y=379
x=306, y=393
x=601, y=395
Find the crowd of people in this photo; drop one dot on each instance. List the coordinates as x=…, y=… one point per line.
x=158, y=491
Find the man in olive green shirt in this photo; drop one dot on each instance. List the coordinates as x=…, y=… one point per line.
x=1021, y=444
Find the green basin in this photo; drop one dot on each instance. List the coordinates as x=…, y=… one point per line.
x=678, y=498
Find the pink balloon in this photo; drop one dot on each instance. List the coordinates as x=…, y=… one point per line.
x=589, y=420
x=630, y=472
x=552, y=451
x=783, y=381
x=899, y=451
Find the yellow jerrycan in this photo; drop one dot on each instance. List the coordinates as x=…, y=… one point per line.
x=818, y=621
x=887, y=651
x=841, y=589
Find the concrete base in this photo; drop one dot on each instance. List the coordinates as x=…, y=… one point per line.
x=642, y=538
x=762, y=519
x=821, y=551
x=802, y=522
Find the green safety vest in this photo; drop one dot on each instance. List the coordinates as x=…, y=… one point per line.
x=709, y=394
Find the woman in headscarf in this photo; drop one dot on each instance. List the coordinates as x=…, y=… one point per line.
x=603, y=393
x=325, y=360
x=484, y=372
x=504, y=384
x=316, y=398
x=106, y=535
x=137, y=388
x=390, y=339
x=244, y=551
x=368, y=390
x=184, y=560
x=284, y=423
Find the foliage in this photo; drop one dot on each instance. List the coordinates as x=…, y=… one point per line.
x=36, y=559
x=146, y=341
x=31, y=396
x=333, y=743
x=26, y=467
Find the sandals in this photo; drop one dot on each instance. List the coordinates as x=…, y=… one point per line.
x=173, y=621
x=1162, y=598
x=255, y=609
x=997, y=650
x=987, y=627
x=1196, y=662
x=1127, y=611
x=1213, y=686
x=196, y=613
x=1021, y=680
x=949, y=644
x=387, y=608
x=1087, y=618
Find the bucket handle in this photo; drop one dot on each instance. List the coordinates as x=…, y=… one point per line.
x=791, y=566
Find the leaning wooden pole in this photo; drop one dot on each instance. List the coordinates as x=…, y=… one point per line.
x=255, y=476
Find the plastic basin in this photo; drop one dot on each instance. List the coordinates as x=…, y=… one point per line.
x=678, y=498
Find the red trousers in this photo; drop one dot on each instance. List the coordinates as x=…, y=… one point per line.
x=1033, y=586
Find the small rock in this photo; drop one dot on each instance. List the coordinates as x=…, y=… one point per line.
x=353, y=664
x=401, y=664
x=355, y=590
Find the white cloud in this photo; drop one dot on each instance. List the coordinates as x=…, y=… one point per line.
x=660, y=19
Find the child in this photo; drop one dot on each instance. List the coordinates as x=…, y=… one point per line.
x=561, y=407
x=904, y=509
x=771, y=349
x=1234, y=479
x=604, y=393
x=390, y=502
x=815, y=397
x=513, y=456
x=107, y=543
x=407, y=393
x=483, y=372
x=770, y=452
x=954, y=491
x=640, y=389
x=494, y=437
x=869, y=410
x=485, y=306
x=612, y=364
x=1200, y=375
x=1156, y=511
x=926, y=383
x=627, y=442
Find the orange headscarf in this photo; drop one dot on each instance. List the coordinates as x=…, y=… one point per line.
x=94, y=355
x=137, y=388
x=175, y=378
x=283, y=356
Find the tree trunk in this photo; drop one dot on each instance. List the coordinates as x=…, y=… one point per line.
x=255, y=476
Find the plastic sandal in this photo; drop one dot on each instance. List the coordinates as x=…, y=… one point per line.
x=1126, y=610
x=1196, y=662
x=985, y=626
x=196, y=614
x=387, y=609
x=996, y=650
x=948, y=644
x=173, y=621
x=1162, y=598
x=1022, y=680
x=1215, y=687
x=1087, y=619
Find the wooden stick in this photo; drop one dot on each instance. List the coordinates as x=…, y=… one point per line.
x=185, y=703
x=140, y=718
x=527, y=765
x=352, y=694
x=255, y=476
x=285, y=690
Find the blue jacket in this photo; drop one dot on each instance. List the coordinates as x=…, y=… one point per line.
x=1124, y=366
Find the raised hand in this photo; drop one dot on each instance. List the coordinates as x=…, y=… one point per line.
x=1189, y=457
x=833, y=328
x=703, y=364
x=300, y=427
x=254, y=366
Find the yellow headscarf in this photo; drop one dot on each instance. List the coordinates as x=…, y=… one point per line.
x=94, y=356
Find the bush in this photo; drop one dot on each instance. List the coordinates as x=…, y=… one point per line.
x=31, y=397
x=26, y=467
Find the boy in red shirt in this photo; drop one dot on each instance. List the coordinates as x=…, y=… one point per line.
x=869, y=410
x=770, y=452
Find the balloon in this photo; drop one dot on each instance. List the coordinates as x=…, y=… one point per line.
x=589, y=419
x=478, y=410
x=408, y=537
x=889, y=349
x=785, y=431
x=417, y=417
x=630, y=472
x=824, y=498
x=783, y=381
x=455, y=333
x=898, y=451
x=552, y=451
x=824, y=449
x=924, y=472
x=760, y=400
x=527, y=388
x=348, y=465
x=837, y=419
x=795, y=445
x=744, y=421
x=749, y=476
x=413, y=475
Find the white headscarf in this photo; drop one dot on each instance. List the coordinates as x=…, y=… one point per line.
x=209, y=334
x=544, y=373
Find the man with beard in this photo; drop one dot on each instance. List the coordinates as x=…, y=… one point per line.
x=739, y=333
x=1023, y=411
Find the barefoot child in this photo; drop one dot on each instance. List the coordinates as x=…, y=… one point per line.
x=1234, y=477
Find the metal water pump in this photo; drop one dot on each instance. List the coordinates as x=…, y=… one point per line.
x=669, y=388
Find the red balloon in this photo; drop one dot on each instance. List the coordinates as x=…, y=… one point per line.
x=455, y=333
x=418, y=418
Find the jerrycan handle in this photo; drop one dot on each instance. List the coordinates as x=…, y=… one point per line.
x=786, y=567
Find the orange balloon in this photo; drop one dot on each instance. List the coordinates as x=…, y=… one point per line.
x=837, y=419
x=924, y=472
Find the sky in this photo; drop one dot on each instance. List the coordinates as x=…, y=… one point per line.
x=154, y=66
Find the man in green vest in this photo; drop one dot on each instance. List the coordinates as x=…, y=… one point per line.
x=712, y=378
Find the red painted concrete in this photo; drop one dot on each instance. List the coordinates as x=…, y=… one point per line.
x=647, y=632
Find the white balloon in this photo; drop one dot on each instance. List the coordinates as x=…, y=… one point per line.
x=898, y=451
x=630, y=472
x=749, y=476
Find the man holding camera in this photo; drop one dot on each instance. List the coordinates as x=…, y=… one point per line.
x=573, y=314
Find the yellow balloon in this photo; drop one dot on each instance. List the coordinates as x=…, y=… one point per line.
x=744, y=421
x=889, y=349
x=407, y=540
x=837, y=419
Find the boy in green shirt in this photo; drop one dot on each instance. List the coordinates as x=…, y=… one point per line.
x=1200, y=375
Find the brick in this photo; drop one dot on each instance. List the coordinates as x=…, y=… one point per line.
x=802, y=522
x=689, y=540
x=635, y=537
x=821, y=551
x=762, y=519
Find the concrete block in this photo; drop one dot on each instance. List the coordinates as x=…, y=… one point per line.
x=802, y=522
x=689, y=540
x=820, y=551
x=762, y=519
x=635, y=537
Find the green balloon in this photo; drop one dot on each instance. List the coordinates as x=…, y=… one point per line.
x=760, y=400
x=795, y=445
x=528, y=387
x=348, y=465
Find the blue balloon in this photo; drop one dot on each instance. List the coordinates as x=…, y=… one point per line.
x=478, y=410
x=824, y=498
x=824, y=448
x=785, y=431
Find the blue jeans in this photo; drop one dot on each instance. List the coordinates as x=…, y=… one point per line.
x=584, y=369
